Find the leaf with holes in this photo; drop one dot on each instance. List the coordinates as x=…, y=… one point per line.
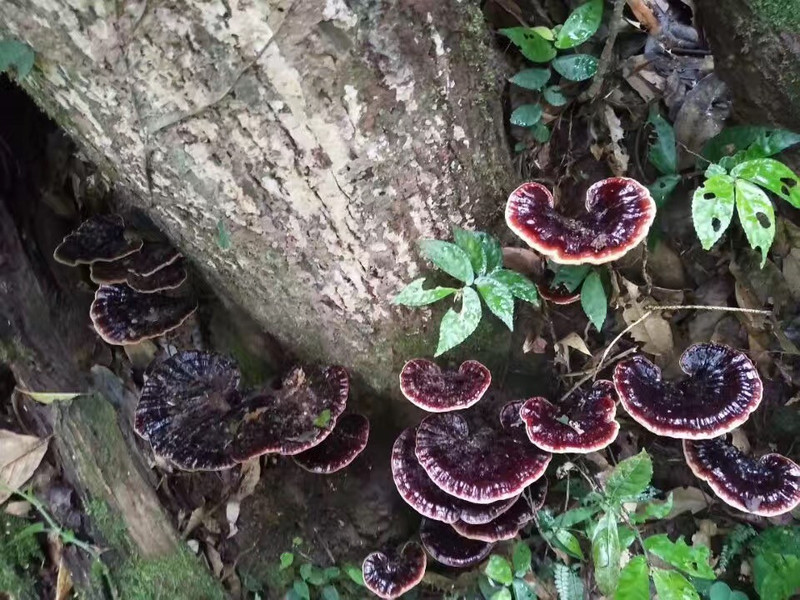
x=693, y=560
x=554, y=96
x=414, y=295
x=580, y=25
x=662, y=153
x=498, y=298
x=526, y=115
x=594, y=300
x=671, y=585
x=531, y=43
x=521, y=287
x=470, y=242
x=662, y=188
x=712, y=209
x=576, y=67
x=606, y=551
x=531, y=79
x=634, y=581
x=449, y=258
x=756, y=216
x=772, y=175
x=458, y=326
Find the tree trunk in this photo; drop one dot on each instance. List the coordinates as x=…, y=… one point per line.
x=756, y=46
x=323, y=137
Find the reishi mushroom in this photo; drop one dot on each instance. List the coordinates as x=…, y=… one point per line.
x=391, y=575
x=619, y=213
x=449, y=548
x=167, y=278
x=99, y=238
x=339, y=449
x=722, y=389
x=768, y=486
x=508, y=524
x=586, y=424
x=430, y=388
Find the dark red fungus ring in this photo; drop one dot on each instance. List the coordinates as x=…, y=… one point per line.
x=99, y=238
x=619, y=213
x=721, y=391
x=449, y=548
x=347, y=440
x=559, y=295
x=589, y=425
x=768, y=486
x=432, y=389
x=392, y=575
x=167, y=278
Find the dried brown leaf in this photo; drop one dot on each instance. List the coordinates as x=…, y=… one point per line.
x=688, y=499
x=654, y=332
x=19, y=457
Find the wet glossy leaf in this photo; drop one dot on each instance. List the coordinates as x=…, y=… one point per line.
x=712, y=209
x=531, y=79
x=662, y=152
x=526, y=115
x=756, y=216
x=530, y=42
x=522, y=591
x=554, y=96
x=414, y=295
x=606, y=551
x=576, y=67
x=287, y=558
x=521, y=287
x=571, y=276
x=772, y=175
x=16, y=56
x=499, y=569
x=629, y=478
x=458, y=326
x=693, y=560
x=594, y=300
x=449, y=258
x=580, y=25
x=733, y=139
x=634, y=581
x=541, y=132
x=671, y=585
x=521, y=558
x=662, y=188
x=498, y=298
x=655, y=509
x=470, y=242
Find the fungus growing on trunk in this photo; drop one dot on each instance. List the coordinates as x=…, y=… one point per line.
x=449, y=548
x=768, y=486
x=722, y=389
x=619, y=213
x=166, y=278
x=427, y=386
x=391, y=575
x=483, y=466
x=122, y=316
x=153, y=257
x=339, y=449
x=99, y=238
x=585, y=424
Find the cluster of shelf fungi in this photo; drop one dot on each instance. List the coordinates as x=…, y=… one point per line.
x=473, y=486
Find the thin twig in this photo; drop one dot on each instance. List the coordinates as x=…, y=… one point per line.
x=606, y=56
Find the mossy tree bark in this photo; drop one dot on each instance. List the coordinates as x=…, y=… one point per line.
x=295, y=150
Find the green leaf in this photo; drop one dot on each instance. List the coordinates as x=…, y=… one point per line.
x=499, y=569
x=756, y=216
x=313, y=575
x=355, y=574
x=300, y=588
x=606, y=552
x=223, y=236
x=629, y=478
x=498, y=298
x=541, y=132
x=522, y=591
x=575, y=515
x=690, y=559
x=634, y=581
x=671, y=585
x=449, y=258
x=414, y=295
x=662, y=153
x=554, y=96
x=521, y=287
x=580, y=25
x=655, y=509
x=287, y=558
x=323, y=418
x=49, y=397
x=712, y=209
x=18, y=56
x=568, y=543
x=493, y=250
x=715, y=169
x=545, y=32
x=719, y=590
x=766, y=142
x=329, y=592
x=568, y=584
x=576, y=67
x=531, y=79
x=772, y=175
x=593, y=299
x=521, y=558
x=501, y=594
x=458, y=326
x=471, y=243
x=662, y=188
x=530, y=42
x=570, y=276
x=331, y=573
x=526, y=115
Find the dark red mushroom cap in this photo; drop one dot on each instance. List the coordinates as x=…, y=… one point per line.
x=722, y=389
x=449, y=548
x=153, y=257
x=424, y=496
x=166, y=278
x=339, y=449
x=390, y=576
x=503, y=527
x=109, y=273
x=123, y=316
x=187, y=408
x=558, y=295
x=100, y=238
x=430, y=388
x=585, y=424
x=482, y=466
x=619, y=213
x=296, y=417
x=768, y=486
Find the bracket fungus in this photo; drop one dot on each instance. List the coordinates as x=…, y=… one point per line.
x=586, y=424
x=430, y=388
x=480, y=466
x=558, y=295
x=768, y=486
x=449, y=548
x=153, y=257
x=504, y=526
x=123, y=316
x=99, y=238
x=339, y=449
x=619, y=213
x=168, y=278
x=391, y=575
x=722, y=389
